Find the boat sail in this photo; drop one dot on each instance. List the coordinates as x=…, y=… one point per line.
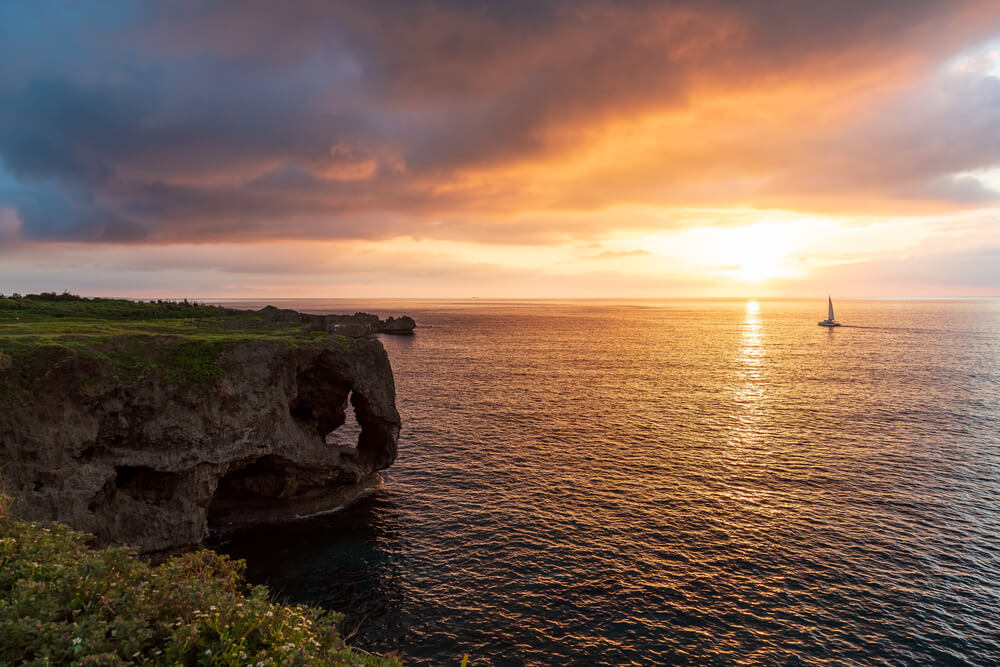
x=829, y=321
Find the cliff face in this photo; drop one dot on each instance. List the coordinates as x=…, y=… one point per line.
x=153, y=461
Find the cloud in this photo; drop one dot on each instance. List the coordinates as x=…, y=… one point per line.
x=954, y=272
x=914, y=146
x=303, y=269
x=620, y=254
x=495, y=121
x=10, y=225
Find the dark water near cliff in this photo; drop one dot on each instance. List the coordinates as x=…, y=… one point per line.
x=695, y=481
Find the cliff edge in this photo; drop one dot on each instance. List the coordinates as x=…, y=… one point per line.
x=144, y=424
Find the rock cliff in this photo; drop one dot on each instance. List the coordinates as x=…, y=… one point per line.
x=196, y=433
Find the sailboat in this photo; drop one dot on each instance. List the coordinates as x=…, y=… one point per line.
x=829, y=321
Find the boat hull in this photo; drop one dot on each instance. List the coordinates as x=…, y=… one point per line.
x=828, y=323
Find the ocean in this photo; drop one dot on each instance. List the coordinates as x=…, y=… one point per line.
x=691, y=481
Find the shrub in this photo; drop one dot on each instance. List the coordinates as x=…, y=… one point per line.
x=64, y=603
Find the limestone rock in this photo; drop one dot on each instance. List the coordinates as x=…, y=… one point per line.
x=398, y=325
x=152, y=461
x=357, y=325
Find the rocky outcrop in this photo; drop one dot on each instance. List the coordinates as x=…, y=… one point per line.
x=398, y=325
x=356, y=325
x=155, y=461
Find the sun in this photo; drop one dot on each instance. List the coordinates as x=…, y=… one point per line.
x=753, y=254
x=755, y=271
x=766, y=249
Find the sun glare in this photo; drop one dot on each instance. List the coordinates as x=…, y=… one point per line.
x=754, y=253
x=754, y=271
x=750, y=253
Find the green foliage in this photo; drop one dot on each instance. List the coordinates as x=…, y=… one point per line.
x=128, y=341
x=50, y=304
x=194, y=362
x=64, y=603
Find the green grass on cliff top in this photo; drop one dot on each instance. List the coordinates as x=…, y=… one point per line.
x=67, y=314
x=182, y=340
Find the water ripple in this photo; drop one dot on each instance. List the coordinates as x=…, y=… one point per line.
x=691, y=482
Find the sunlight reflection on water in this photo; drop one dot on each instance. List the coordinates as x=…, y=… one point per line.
x=697, y=481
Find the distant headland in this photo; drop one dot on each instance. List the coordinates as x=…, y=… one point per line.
x=358, y=324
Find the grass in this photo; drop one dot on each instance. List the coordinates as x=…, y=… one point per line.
x=132, y=339
x=62, y=602
x=51, y=305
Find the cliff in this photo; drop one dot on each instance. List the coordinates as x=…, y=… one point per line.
x=147, y=427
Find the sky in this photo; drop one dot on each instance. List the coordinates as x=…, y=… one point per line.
x=459, y=148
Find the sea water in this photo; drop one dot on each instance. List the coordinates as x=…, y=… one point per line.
x=717, y=482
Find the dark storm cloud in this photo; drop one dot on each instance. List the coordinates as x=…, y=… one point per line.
x=198, y=121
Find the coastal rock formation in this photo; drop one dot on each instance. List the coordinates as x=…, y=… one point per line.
x=356, y=325
x=152, y=461
x=398, y=325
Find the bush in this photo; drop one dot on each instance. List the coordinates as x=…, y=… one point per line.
x=64, y=603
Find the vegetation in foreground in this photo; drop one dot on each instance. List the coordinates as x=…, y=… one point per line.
x=63, y=603
x=178, y=339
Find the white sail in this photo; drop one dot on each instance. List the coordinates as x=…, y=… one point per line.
x=829, y=321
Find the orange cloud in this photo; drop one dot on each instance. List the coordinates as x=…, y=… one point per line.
x=502, y=135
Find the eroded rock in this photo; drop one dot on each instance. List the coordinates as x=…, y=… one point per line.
x=152, y=461
x=357, y=325
x=398, y=325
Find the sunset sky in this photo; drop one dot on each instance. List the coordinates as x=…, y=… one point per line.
x=500, y=149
